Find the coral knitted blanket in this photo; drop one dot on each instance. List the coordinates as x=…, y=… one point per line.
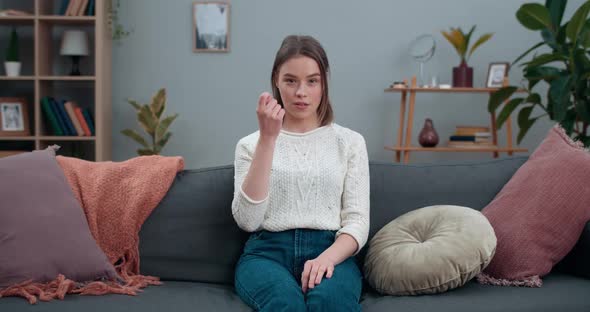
x=117, y=197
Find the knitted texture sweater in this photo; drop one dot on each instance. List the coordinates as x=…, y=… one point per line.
x=319, y=180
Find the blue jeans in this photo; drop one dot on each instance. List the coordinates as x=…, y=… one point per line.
x=268, y=274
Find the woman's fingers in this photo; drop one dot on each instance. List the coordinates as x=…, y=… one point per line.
x=330, y=272
x=318, y=278
x=305, y=276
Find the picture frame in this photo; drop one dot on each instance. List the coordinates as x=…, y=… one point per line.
x=497, y=71
x=211, y=32
x=14, y=117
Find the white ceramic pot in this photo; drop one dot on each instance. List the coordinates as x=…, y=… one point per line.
x=12, y=69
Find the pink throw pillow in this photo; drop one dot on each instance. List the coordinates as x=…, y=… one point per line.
x=540, y=213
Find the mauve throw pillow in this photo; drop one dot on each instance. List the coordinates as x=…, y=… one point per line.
x=540, y=213
x=43, y=229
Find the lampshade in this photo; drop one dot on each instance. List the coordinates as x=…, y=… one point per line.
x=74, y=42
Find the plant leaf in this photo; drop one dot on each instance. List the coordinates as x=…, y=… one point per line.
x=163, y=126
x=460, y=39
x=524, y=122
x=534, y=98
x=547, y=73
x=569, y=121
x=146, y=152
x=453, y=41
x=133, y=103
x=527, y=52
x=583, y=109
x=577, y=22
x=560, y=93
x=556, y=9
x=468, y=38
x=160, y=144
x=147, y=119
x=544, y=59
x=534, y=16
x=507, y=111
x=480, y=41
x=135, y=136
x=158, y=103
x=499, y=96
x=584, y=38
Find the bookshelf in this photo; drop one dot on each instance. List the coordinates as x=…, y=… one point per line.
x=45, y=73
x=404, y=147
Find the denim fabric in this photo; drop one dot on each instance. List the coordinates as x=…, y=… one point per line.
x=268, y=274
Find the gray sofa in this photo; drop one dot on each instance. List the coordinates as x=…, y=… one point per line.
x=192, y=243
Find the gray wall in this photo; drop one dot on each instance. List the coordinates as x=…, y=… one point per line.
x=366, y=41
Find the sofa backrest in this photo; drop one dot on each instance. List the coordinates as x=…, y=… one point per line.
x=192, y=236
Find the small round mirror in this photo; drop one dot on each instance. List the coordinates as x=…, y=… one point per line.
x=422, y=50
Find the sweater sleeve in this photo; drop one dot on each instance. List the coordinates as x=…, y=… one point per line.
x=355, y=211
x=248, y=213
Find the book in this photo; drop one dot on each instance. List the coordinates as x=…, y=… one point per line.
x=89, y=121
x=64, y=116
x=51, y=117
x=64, y=7
x=82, y=122
x=69, y=105
x=62, y=123
x=82, y=7
x=90, y=11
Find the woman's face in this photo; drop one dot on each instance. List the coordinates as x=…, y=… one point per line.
x=300, y=85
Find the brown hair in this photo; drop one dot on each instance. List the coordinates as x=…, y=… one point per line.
x=293, y=46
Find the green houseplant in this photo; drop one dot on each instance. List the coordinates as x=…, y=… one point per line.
x=150, y=119
x=463, y=74
x=564, y=69
x=12, y=63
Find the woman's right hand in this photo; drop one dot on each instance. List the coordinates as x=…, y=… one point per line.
x=270, y=116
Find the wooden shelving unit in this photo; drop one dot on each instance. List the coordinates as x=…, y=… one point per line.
x=404, y=143
x=49, y=76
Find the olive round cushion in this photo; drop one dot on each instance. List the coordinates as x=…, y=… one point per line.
x=429, y=250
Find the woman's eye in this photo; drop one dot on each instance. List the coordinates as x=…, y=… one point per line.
x=290, y=80
x=313, y=81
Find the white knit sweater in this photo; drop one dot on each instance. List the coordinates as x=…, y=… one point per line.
x=319, y=180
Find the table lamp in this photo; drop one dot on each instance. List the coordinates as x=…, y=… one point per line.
x=75, y=44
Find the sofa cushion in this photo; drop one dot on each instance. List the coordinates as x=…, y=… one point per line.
x=191, y=235
x=43, y=229
x=540, y=213
x=429, y=250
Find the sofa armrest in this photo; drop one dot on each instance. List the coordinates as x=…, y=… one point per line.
x=577, y=261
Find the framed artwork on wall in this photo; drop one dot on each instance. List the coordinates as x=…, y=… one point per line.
x=211, y=26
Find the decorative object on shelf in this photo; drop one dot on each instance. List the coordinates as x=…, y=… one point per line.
x=422, y=49
x=211, y=27
x=12, y=65
x=565, y=69
x=149, y=117
x=14, y=118
x=75, y=44
x=428, y=136
x=398, y=84
x=496, y=74
x=463, y=74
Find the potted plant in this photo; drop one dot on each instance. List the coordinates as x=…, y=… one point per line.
x=12, y=63
x=463, y=74
x=564, y=69
x=149, y=118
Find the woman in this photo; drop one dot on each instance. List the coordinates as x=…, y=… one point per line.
x=302, y=188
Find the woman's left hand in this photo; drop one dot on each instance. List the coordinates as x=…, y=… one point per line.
x=314, y=270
